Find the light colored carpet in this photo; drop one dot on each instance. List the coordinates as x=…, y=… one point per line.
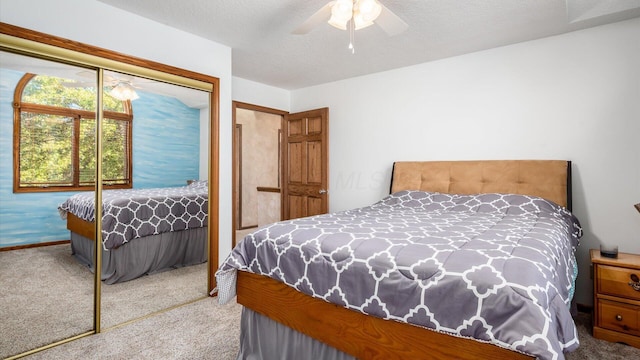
x=47, y=296
x=206, y=330
x=199, y=330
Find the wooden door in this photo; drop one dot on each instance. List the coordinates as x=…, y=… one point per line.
x=305, y=164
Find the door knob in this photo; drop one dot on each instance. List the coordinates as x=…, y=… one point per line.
x=322, y=191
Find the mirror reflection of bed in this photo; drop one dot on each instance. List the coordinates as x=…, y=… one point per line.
x=167, y=229
x=144, y=231
x=137, y=261
x=170, y=147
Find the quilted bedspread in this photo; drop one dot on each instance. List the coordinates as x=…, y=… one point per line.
x=498, y=268
x=132, y=213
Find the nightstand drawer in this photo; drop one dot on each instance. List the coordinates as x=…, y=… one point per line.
x=615, y=281
x=619, y=317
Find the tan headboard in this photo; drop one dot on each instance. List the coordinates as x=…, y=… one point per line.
x=549, y=179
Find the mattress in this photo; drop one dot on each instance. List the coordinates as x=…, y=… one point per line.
x=498, y=268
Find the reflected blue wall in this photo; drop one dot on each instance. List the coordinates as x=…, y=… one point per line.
x=165, y=153
x=166, y=141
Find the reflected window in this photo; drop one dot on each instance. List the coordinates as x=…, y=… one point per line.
x=54, y=136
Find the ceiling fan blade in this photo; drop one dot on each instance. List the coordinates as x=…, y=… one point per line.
x=314, y=20
x=390, y=22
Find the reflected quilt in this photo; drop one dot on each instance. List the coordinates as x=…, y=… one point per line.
x=498, y=268
x=133, y=213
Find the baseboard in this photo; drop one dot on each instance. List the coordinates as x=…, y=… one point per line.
x=27, y=246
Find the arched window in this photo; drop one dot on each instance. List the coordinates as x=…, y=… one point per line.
x=54, y=136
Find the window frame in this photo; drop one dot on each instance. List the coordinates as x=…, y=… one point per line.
x=19, y=106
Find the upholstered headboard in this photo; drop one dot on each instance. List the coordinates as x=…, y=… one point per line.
x=549, y=179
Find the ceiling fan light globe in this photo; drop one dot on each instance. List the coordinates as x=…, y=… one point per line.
x=341, y=13
x=344, y=7
x=360, y=22
x=369, y=10
x=363, y=25
x=338, y=23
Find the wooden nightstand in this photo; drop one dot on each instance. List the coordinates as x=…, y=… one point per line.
x=616, y=298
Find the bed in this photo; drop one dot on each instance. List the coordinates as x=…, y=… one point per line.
x=464, y=260
x=144, y=231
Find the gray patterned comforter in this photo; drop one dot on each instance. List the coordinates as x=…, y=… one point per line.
x=133, y=213
x=494, y=267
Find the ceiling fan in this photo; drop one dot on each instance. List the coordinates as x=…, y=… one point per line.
x=354, y=15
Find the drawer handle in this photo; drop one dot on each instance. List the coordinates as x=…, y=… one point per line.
x=619, y=317
x=635, y=282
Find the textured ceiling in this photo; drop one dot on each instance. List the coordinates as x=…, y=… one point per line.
x=265, y=50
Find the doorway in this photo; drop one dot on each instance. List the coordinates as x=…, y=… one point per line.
x=288, y=150
x=257, y=164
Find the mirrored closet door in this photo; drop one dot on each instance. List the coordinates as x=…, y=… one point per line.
x=163, y=215
x=136, y=125
x=45, y=294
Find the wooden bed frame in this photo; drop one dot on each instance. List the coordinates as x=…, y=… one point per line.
x=368, y=337
x=81, y=227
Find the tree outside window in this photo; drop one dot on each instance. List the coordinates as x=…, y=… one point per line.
x=54, y=136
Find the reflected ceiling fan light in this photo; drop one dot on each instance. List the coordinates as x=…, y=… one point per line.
x=124, y=91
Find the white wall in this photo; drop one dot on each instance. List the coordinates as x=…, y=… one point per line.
x=254, y=93
x=87, y=21
x=574, y=96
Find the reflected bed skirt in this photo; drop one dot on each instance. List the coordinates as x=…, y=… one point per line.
x=147, y=255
